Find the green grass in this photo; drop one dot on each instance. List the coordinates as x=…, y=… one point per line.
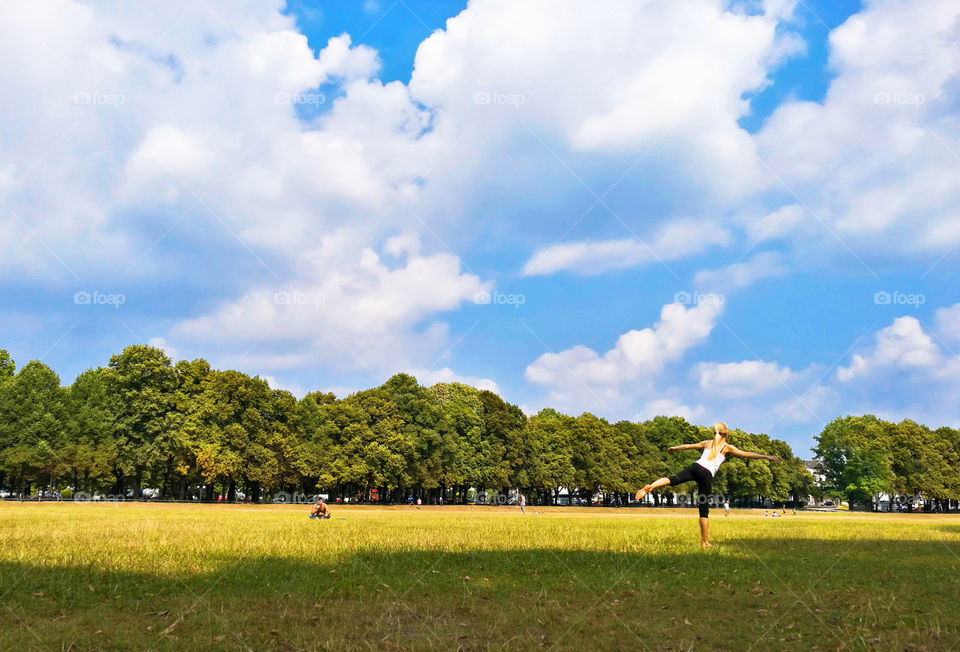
x=213, y=577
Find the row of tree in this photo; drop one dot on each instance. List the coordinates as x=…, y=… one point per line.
x=191, y=431
x=865, y=457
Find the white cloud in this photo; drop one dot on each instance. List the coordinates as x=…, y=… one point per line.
x=187, y=127
x=669, y=74
x=947, y=324
x=903, y=345
x=744, y=379
x=354, y=309
x=764, y=265
x=341, y=60
x=294, y=388
x=428, y=377
x=131, y=114
x=875, y=163
x=161, y=343
x=780, y=223
x=673, y=241
x=670, y=408
x=581, y=374
x=134, y=110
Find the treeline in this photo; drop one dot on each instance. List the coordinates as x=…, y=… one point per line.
x=863, y=457
x=191, y=431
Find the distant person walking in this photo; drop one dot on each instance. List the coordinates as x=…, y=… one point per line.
x=726, y=507
x=419, y=503
x=523, y=503
x=715, y=451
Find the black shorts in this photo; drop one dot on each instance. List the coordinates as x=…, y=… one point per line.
x=704, y=480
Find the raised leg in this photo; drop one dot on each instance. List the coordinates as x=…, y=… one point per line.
x=662, y=482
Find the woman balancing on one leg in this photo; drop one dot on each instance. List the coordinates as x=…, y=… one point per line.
x=715, y=451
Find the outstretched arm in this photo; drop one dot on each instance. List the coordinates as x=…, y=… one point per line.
x=683, y=447
x=733, y=450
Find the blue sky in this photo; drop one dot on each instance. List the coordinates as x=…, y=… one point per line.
x=663, y=208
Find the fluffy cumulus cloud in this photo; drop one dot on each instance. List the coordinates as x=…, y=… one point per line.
x=187, y=111
x=139, y=134
x=762, y=394
x=363, y=311
x=640, y=83
x=185, y=120
x=581, y=374
x=874, y=164
x=124, y=110
x=903, y=346
x=911, y=369
x=128, y=132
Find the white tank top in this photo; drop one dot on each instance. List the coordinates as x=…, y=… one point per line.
x=711, y=464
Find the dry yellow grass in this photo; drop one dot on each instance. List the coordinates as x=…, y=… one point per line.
x=211, y=577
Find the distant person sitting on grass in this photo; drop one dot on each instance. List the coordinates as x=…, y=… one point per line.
x=320, y=509
x=715, y=451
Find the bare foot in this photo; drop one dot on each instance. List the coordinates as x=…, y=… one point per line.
x=704, y=544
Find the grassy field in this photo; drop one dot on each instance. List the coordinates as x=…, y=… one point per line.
x=213, y=577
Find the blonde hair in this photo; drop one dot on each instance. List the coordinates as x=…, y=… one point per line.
x=719, y=432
